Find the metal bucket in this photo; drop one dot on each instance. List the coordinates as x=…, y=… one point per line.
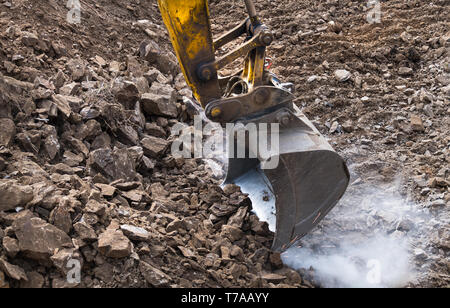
x=308, y=181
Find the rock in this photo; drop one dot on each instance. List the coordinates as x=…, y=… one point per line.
x=29, y=39
x=237, y=252
x=52, y=146
x=175, y=225
x=425, y=97
x=70, y=89
x=417, y=124
x=230, y=189
x=405, y=71
x=11, y=246
x=164, y=61
x=232, y=233
x=100, y=61
x=128, y=135
x=438, y=182
x=348, y=126
x=13, y=195
x=62, y=104
x=115, y=165
x=3, y=283
x=85, y=232
x=39, y=240
x=334, y=127
x=13, y=271
x=107, y=190
x=260, y=228
x=7, y=131
x=160, y=104
x=105, y=272
x=186, y=252
x=238, y=270
x=342, y=75
x=275, y=260
x=154, y=147
x=155, y=277
x=135, y=233
x=2, y=164
x=128, y=95
x=273, y=278
x=62, y=257
x=35, y=281
x=238, y=218
x=114, y=244
x=152, y=129
x=76, y=68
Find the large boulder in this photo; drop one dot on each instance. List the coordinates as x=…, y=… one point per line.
x=38, y=239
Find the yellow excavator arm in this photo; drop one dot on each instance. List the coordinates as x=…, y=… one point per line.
x=310, y=176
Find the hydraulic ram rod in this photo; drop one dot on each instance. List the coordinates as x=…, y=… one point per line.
x=252, y=12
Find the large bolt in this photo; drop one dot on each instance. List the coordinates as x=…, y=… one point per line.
x=215, y=112
x=284, y=119
x=266, y=38
x=206, y=73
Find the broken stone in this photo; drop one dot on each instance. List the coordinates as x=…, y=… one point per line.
x=11, y=246
x=70, y=89
x=114, y=244
x=175, y=225
x=85, y=232
x=232, y=233
x=186, y=252
x=128, y=135
x=155, y=277
x=62, y=104
x=61, y=258
x=38, y=240
x=438, y=182
x=117, y=164
x=13, y=271
x=154, y=147
x=417, y=124
x=60, y=218
x=35, y=281
x=13, y=195
x=273, y=278
x=152, y=129
x=405, y=71
x=76, y=68
x=3, y=283
x=107, y=190
x=128, y=95
x=135, y=233
x=29, y=39
x=275, y=260
x=7, y=131
x=342, y=75
x=161, y=101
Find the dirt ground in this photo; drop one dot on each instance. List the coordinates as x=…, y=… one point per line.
x=84, y=163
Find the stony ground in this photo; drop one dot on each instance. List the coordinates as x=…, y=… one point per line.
x=85, y=117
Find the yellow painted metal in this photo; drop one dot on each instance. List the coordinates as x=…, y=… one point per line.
x=188, y=23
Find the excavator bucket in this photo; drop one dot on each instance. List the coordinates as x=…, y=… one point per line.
x=296, y=193
x=301, y=178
